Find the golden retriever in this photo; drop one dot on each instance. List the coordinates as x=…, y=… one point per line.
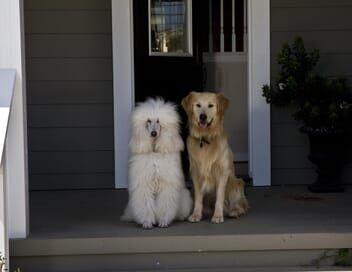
x=211, y=159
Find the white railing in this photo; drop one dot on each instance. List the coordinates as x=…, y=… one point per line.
x=7, y=81
x=220, y=31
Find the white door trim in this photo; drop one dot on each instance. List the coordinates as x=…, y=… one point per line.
x=123, y=76
x=258, y=74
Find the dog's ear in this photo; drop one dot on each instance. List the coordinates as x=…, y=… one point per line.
x=223, y=104
x=187, y=102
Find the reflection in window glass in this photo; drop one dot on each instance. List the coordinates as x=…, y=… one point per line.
x=168, y=26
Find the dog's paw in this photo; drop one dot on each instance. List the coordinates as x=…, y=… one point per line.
x=147, y=225
x=163, y=225
x=194, y=218
x=234, y=214
x=217, y=219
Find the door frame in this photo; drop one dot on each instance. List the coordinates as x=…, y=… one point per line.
x=258, y=74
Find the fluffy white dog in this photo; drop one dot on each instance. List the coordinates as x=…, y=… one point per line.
x=157, y=192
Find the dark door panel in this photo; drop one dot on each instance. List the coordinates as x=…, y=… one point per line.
x=167, y=76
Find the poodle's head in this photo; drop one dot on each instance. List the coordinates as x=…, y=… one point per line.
x=155, y=128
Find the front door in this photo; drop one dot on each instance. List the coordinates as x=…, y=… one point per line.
x=124, y=88
x=168, y=48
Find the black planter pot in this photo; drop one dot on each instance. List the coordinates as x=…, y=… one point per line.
x=327, y=153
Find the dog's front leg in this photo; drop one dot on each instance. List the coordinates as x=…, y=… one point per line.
x=167, y=205
x=143, y=207
x=196, y=216
x=218, y=216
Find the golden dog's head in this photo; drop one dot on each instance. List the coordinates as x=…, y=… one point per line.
x=205, y=112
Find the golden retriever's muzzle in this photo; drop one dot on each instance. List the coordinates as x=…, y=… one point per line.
x=203, y=121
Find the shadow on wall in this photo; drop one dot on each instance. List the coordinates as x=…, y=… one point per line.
x=229, y=76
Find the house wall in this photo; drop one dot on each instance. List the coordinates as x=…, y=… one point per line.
x=69, y=94
x=324, y=24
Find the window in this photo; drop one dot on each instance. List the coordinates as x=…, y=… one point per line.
x=170, y=31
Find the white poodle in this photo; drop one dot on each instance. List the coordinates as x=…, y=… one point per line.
x=157, y=192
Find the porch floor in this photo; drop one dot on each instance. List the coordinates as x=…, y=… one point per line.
x=286, y=226
x=276, y=210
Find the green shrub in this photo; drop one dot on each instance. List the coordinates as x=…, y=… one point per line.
x=319, y=102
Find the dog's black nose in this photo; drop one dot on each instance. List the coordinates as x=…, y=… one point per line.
x=202, y=117
x=153, y=133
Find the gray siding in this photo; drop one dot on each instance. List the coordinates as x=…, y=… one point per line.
x=327, y=25
x=69, y=94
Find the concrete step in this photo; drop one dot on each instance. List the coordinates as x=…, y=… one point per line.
x=258, y=269
x=185, y=253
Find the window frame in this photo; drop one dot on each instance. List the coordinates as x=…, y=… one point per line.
x=189, y=34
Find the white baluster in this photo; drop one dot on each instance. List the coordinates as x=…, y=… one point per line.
x=222, y=38
x=245, y=28
x=233, y=26
x=210, y=27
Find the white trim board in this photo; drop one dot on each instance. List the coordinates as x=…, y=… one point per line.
x=12, y=56
x=123, y=76
x=7, y=83
x=258, y=74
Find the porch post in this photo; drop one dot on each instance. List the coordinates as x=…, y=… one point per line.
x=15, y=172
x=123, y=76
x=7, y=81
x=259, y=74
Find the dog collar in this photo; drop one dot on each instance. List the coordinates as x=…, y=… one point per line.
x=203, y=141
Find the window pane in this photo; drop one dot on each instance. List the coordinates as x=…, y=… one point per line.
x=168, y=26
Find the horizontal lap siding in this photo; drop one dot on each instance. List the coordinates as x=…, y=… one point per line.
x=324, y=24
x=71, y=162
x=67, y=5
x=70, y=139
x=69, y=94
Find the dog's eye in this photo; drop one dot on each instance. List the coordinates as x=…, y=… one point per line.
x=149, y=121
x=210, y=105
x=157, y=121
x=198, y=105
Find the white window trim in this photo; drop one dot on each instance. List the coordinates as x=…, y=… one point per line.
x=258, y=74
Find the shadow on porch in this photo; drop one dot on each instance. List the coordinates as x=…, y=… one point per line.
x=298, y=226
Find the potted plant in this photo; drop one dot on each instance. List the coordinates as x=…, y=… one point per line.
x=322, y=104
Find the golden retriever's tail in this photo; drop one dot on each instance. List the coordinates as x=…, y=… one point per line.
x=237, y=201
